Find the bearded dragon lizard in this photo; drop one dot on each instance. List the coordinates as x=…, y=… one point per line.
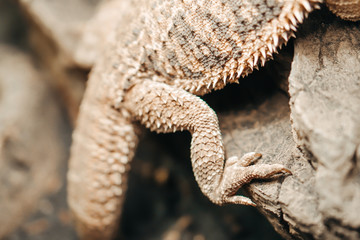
x=174, y=51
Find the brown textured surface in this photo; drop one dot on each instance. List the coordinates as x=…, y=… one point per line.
x=263, y=125
x=325, y=105
x=346, y=9
x=320, y=199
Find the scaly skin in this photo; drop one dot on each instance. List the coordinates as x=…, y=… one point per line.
x=346, y=9
x=174, y=51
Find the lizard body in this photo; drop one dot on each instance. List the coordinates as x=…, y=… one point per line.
x=174, y=50
x=346, y=9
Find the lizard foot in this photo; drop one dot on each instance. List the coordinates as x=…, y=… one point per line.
x=238, y=172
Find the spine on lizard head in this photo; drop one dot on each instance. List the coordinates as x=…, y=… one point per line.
x=203, y=45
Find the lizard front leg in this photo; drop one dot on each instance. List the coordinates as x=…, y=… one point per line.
x=164, y=108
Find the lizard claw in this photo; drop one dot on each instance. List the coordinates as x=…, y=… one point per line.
x=245, y=160
x=240, y=200
x=285, y=170
x=238, y=172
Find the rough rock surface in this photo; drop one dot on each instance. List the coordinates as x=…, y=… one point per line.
x=325, y=104
x=320, y=199
x=262, y=124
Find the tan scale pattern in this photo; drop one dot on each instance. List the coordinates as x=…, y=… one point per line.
x=150, y=72
x=346, y=9
x=168, y=109
x=103, y=146
x=199, y=45
x=106, y=147
x=163, y=108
